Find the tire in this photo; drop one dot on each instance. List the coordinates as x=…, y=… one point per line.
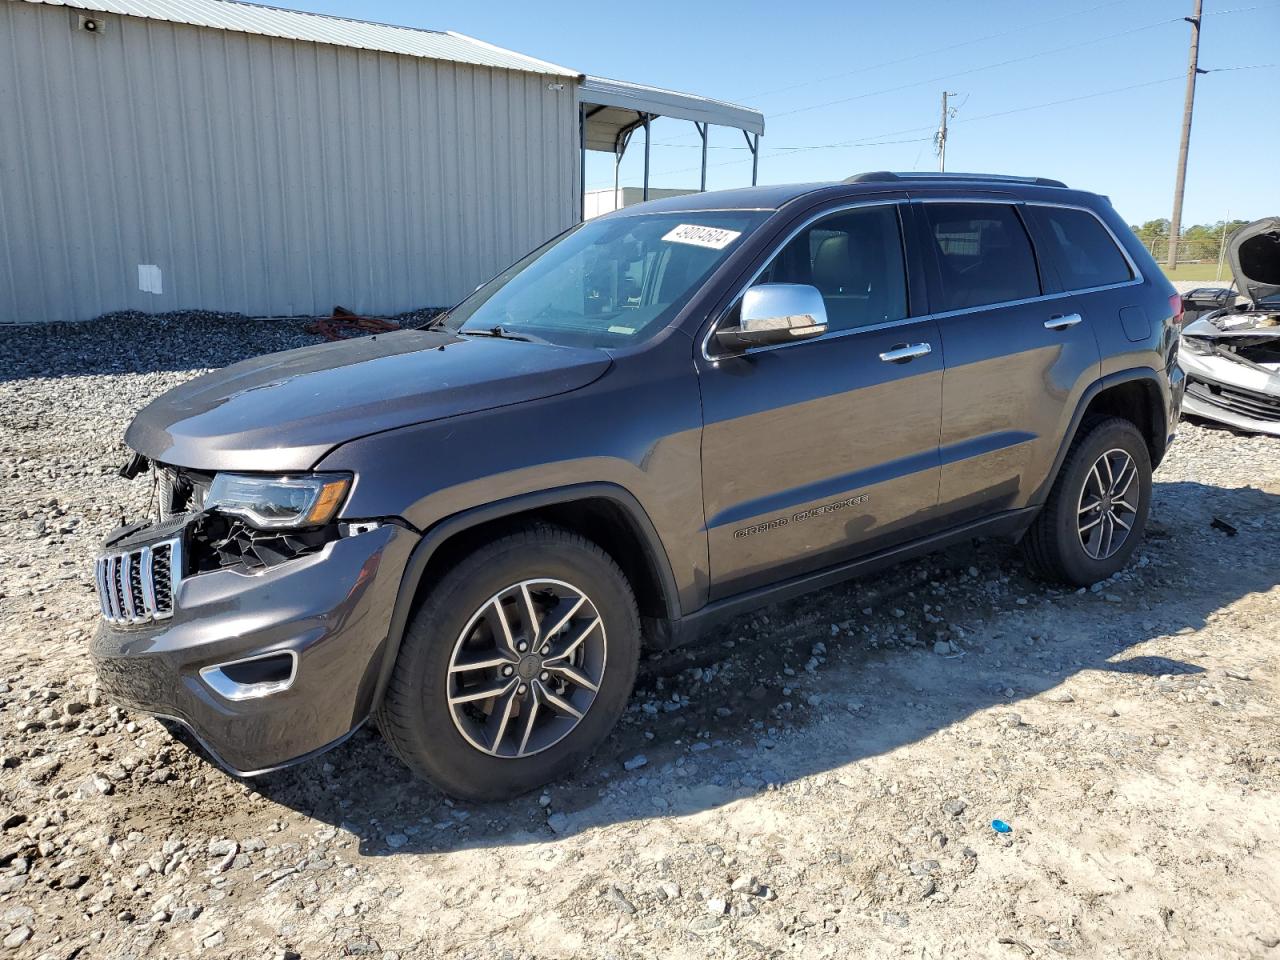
x=434, y=714
x=1054, y=546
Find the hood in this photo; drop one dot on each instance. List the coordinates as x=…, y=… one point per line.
x=1254, y=254
x=1242, y=329
x=284, y=411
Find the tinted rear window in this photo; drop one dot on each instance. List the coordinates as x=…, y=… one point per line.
x=984, y=254
x=1085, y=253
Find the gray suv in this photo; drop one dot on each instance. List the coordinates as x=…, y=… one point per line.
x=469, y=532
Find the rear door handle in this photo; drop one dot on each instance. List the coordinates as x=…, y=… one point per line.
x=1062, y=321
x=908, y=351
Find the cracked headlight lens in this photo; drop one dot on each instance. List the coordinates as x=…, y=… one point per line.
x=272, y=503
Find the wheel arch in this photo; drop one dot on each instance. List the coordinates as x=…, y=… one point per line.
x=1133, y=395
x=605, y=513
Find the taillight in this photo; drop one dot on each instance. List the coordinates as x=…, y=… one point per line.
x=1175, y=307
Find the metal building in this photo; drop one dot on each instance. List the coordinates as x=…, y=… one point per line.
x=179, y=154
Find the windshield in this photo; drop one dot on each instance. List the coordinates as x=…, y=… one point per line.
x=607, y=283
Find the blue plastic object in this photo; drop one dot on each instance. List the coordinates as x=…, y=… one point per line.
x=999, y=826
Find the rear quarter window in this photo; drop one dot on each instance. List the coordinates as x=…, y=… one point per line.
x=1083, y=249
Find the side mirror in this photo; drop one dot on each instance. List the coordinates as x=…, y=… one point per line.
x=774, y=313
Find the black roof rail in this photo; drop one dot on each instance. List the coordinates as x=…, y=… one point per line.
x=880, y=176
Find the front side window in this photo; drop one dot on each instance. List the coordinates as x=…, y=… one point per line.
x=1086, y=255
x=984, y=254
x=855, y=260
x=612, y=282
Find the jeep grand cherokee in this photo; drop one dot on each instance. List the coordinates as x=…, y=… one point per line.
x=663, y=417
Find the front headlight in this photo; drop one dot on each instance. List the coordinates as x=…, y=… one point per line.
x=1198, y=346
x=272, y=503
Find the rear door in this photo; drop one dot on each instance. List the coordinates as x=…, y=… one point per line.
x=822, y=449
x=1018, y=354
x=1100, y=280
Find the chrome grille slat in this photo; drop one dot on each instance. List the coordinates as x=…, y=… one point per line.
x=139, y=586
x=113, y=598
x=100, y=573
x=148, y=588
x=126, y=586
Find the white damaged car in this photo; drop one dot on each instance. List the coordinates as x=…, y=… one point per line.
x=1232, y=356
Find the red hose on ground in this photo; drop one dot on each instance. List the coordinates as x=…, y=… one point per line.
x=344, y=325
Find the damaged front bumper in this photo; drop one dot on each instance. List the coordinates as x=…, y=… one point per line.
x=265, y=666
x=1232, y=367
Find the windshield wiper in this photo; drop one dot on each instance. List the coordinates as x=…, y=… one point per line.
x=502, y=334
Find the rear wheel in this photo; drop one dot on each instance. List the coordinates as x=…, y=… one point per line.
x=1097, y=510
x=515, y=666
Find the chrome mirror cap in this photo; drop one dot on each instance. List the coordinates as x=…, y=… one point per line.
x=774, y=313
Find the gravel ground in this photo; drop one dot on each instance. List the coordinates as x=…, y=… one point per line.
x=817, y=780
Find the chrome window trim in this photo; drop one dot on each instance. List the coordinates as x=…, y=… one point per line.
x=1014, y=202
x=804, y=225
x=1137, y=279
x=1133, y=267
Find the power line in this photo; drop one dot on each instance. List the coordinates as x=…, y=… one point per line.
x=978, y=69
x=988, y=66
x=874, y=140
x=915, y=56
x=937, y=50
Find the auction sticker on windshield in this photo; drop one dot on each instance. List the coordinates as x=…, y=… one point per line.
x=714, y=237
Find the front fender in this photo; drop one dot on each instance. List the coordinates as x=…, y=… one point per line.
x=450, y=527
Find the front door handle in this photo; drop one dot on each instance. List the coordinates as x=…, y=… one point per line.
x=908, y=351
x=1062, y=321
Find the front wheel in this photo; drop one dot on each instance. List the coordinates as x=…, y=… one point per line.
x=515, y=667
x=1097, y=510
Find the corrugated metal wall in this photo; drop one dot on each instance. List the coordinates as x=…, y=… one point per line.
x=264, y=176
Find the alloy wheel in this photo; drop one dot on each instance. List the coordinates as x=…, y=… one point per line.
x=526, y=668
x=1108, y=505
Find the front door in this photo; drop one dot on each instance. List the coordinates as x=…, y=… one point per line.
x=819, y=450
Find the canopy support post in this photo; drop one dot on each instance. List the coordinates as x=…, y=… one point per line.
x=753, y=144
x=646, y=157
x=582, y=163
x=702, y=132
x=617, y=164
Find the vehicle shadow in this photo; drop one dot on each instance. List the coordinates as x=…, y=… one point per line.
x=739, y=713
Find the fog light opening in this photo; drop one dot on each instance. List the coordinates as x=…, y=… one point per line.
x=252, y=677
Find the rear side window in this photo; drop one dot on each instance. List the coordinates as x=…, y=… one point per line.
x=984, y=254
x=1086, y=254
x=855, y=260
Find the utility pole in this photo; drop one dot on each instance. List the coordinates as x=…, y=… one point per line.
x=1222, y=246
x=940, y=138
x=1193, y=70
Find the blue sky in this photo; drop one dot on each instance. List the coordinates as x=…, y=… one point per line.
x=870, y=77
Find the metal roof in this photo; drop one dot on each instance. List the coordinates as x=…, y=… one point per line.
x=620, y=106
x=317, y=28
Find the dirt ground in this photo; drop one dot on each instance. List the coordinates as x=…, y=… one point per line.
x=818, y=780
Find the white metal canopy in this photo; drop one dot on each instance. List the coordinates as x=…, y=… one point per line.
x=612, y=110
